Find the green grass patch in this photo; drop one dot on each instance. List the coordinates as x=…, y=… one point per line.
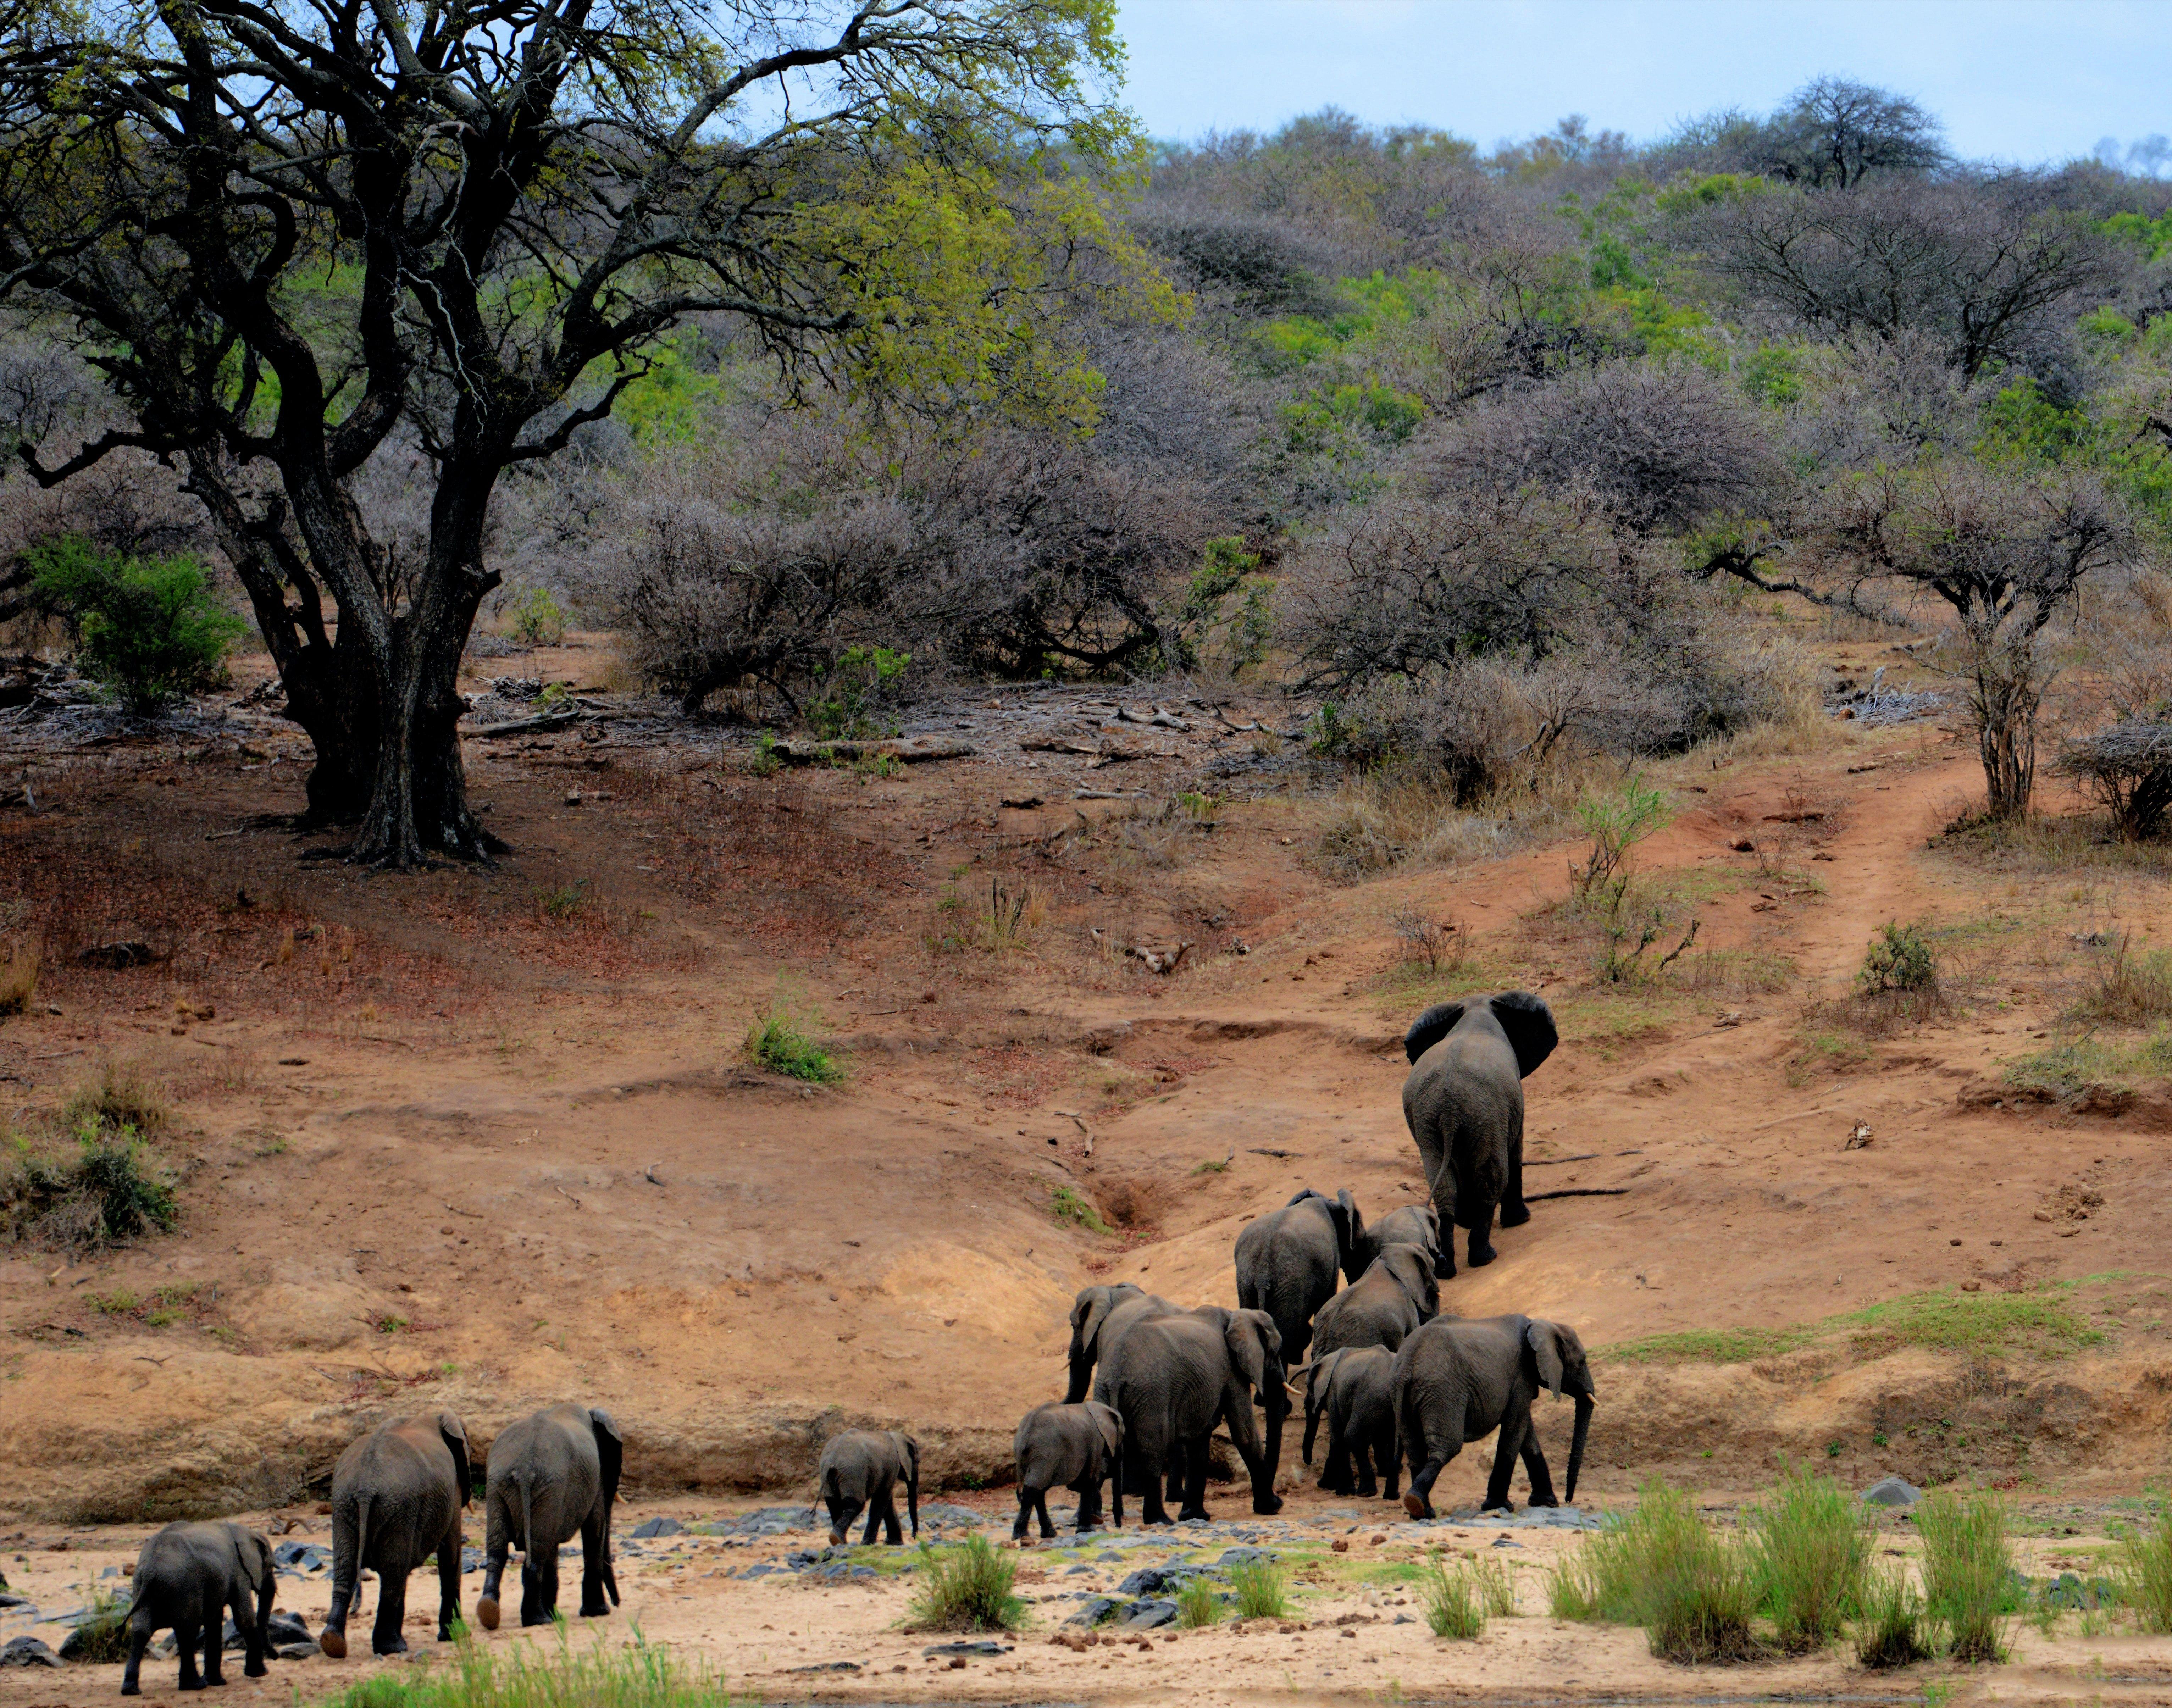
x=968, y=1587
x=102, y=1637
x=1199, y=1603
x=2045, y=1323
x=778, y=1040
x=1888, y=1624
x=1454, y=1609
x=2144, y=1568
x=110, y=1188
x=1261, y=1589
x=1970, y=1587
x=1068, y=1204
x=641, y=1675
x=1665, y=1568
x=2092, y=1063
x=1810, y=1547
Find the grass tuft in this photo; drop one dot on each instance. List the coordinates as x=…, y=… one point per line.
x=1198, y=1603
x=967, y=1587
x=642, y=1675
x=777, y=1041
x=1261, y=1588
x=2145, y=1573
x=2044, y=1322
x=19, y=976
x=111, y=1189
x=1889, y=1625
x=1662, y=1567
x=123, y=1095
x=1809, y=1548
x=102, y=1637
x=1068, y=1204
x=1969, y=1576
x=1453, y=1607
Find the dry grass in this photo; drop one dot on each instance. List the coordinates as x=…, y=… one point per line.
x=1380, y=821
x=2126, y=986
x=18, y=974
x=2051, y=844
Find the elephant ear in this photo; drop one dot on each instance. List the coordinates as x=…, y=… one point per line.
x=1544, y=1341
x=611, y=1450
x=455, y=1436
x=1529, y=1024
x=1430, y=1027
x=253, y=1554
x=1241, y=1335
x=1321, y=1377
x=1107, y=1419
x=1408, y=1265
x=1349, y=1225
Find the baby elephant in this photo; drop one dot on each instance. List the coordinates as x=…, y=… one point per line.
x=860, y=1469
x=1073, y=1446
x=553, y=1476
x=1355, y=1388
x=186, y=1578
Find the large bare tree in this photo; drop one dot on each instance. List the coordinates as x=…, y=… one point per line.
x=293, y=234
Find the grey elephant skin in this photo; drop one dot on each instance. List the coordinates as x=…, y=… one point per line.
x=1288, y=1262
x=1172, y=1379
x=1067, y=1445
x=1354, y=1390
x=397, y=1497
x=553, y=1476
x=1385, y=1307
x=860, y=1468
x=186, y=1578
x=1463, y=1101
x=1409, y=1224
x=1458, y=1380
x=1090, y=1311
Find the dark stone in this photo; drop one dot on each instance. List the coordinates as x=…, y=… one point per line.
x=472, y=1560
x=759, y=1569
x=310, y=1556
x=1096, y=1610
x=1245, y=1556
x=942, y=1513
x=14, y=1601
x=827, y=1667
x=289, y=1628
x=1506, y=1542
x=113, y=957
x=1148, y=1616
x=1150, y=1580
x=28, y=1652
x=1402, y=1619
x=982, y=1647
x=1073, y=1571
x=659, y=1527
x=1892, y=1491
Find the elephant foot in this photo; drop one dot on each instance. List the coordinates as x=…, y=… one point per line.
x=1515, y=1216
x=131, y=1689
x=259, y=1670
x=486, y=1612
x=1496, y=1506
x=1267, y=1506
x=1548, y=1502
x=1479, y=1259
x=1184, y=1515
x=836, y=1538
x=191, y=1684
x=536, y=1618
x=599, y=1611
x=1417, y=1505
x=333, y=1643
x=1443, y=1268
x=398, y=1645
x=1369, y=1488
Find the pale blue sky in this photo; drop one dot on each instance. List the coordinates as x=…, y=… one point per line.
x=2015, y=80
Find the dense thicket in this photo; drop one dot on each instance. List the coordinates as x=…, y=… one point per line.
x=1491, y=451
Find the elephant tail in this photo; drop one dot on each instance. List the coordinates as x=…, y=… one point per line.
x=527, y=1516
x=361, y=1535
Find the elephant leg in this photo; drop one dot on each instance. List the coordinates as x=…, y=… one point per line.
x=1480, y=1251
x=1514, y=1213
x=1417, y=1499
x=1362, y=1456
x=1089, y=1490
x=1180, y=1468
x=1334, y=1475
x=493, y=1572
x=1025, y=1513
x=1534, y=1468
x=255, y=1650
x=594, y=1546
x=385, y=1637
x=1442, y=1185
x=1195, y=1480
x=214, y=1642
x=1152, y=1510
x=448, y=1582
x=1506, y=1446
x=139, y=1639
x=188, y=1632
x=539, y=1581
x=894, y=1532
x=1312, y=1434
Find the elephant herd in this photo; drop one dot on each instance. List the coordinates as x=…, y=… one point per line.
x=1351, y=1310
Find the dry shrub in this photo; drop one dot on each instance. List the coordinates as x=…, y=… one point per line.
x=19, y=974
x=2127, y=987
x=1381, y=820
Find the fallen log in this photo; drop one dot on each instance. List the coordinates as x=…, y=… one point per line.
x=911, y=749
x=525, y=726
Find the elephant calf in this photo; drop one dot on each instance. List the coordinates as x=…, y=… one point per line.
x=553, y=1476
x=1457, y=1381
x=1071, y=1446
x=397, y=1497
x=862, y=1468
x=1355, y=1389
x=186, y=1578
x=1388, y=1303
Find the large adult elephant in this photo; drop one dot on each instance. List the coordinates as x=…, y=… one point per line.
x=1458, y=1379
x=1463, y=1101
x=1288, y=1261
x=397, y=1497
x=553, y=1476
x=1172, y=1379
x=1090, y=1314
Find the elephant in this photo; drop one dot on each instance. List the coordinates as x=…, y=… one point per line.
x=1388, y=1303
x=1090, y=1312
x=860, y=1469
x=186, y=1578
x=397, y=1496
x=1287, y=1262
x=1355, y=1387
x=1411, y=1224
x=1074, y=1446
x=553, y=1476
x=1173, y=1379
x=1456, y=1380
x=1463, y=1101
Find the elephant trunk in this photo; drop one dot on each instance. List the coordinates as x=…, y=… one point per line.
x=1082, y=1376
x=912, y=1499
x=1584, y=1403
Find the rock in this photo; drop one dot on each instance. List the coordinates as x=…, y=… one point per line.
x=1148, y=1616
x=942, y=1513
x=7, y=1601
x=1246, y=1556
x=827, y=1667
x=1341, y=1544
x=289, y=1628
x=1074, y=1571
x=1892, y=1491
x=759, y=1569
x=2066, y=1591
x=28, y=1652
x=1506, y=1542
x=660, y=1527
x=1097, y=1610
x=113, y=957
x=978, y=1648
x=310, y=1556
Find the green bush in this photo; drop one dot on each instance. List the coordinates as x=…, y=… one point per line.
x=1888, y=1623
x=109, y=1191
x=1810, y=1547
x=858, y=682
x=1261, y=1589
x=150, y=628
x=1970, y=1584
x=1198, y=1603
x=1663, y=1568
x=102, y=1637
x=2145, y=1571
x=966, y=1589
x=777, y=1041
x=1900, y=959
x=537, y=619
x=1068, y=1204
x=1616, y=822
